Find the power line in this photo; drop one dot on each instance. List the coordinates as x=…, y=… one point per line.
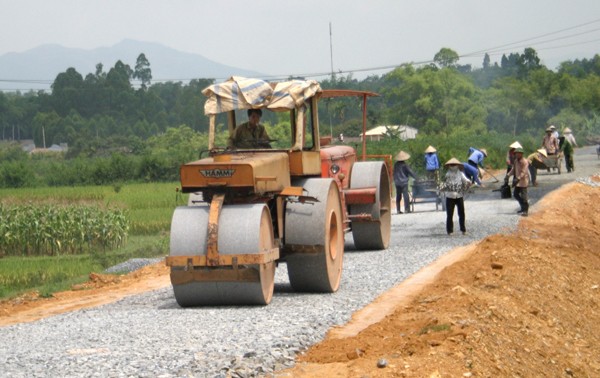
x=475, y=53
x=569, y=45
x=496, y=53
x=534, y=38
x=540, y=42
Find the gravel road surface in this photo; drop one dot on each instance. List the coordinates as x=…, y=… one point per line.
x=148, y=335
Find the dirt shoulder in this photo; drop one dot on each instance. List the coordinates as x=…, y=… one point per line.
x=100, y=289
x=523, y=304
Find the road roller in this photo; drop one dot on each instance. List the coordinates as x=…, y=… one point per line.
x=255, y=205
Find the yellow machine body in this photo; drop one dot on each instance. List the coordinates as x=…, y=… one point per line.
x=257, y=172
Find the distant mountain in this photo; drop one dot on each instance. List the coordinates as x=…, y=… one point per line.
x=37, y=68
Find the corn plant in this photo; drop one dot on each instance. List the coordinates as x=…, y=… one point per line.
x=31, y=230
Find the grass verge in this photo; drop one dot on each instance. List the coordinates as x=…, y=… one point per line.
x=48, y=274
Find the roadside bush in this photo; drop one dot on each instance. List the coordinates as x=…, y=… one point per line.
x=156, y=168
x=122, y=167
x=12, y=152
x=16, y=174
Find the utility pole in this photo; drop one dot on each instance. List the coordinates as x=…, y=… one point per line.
x=332, y=78
x=44, y=136
x=331, y=52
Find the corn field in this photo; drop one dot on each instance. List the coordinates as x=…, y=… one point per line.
x=51, y=230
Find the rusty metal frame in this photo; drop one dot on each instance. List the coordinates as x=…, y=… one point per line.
x=360, y=196
x=363, y=217
x=212, y=244
x=329, y=93
x=179, y=277
x=223, y=260
x=301, y=248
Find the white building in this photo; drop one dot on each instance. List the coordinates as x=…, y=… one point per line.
x=380, y=132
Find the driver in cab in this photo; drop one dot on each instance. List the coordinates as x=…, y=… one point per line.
x=250, y=134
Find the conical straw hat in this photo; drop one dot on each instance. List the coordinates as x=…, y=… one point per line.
x=543, y=152
x=483, y=151
x=567, y=130
x=432, y=149
x=454, y=161
x=402, y=156
x=516, y=145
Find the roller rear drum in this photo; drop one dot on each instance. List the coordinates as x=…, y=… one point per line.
x=374, y=234
x=315, y=232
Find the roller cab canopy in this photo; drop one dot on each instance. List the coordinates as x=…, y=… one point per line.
x=228, y=102
x=240, y=93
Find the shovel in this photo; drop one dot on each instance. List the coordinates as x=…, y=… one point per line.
x=494, y=177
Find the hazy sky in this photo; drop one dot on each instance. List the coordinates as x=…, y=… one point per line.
x=279, y=37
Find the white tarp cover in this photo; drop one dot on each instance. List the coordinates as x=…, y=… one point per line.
x=243, y=93
x=237, y=93
x=292, y=94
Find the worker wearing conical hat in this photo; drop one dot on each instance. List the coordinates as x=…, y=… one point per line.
x=567, y=149
x=432, y=163
x=454, y=185
x=536, y=160
x=550, y=142
x=554, y=131
x=521, y=172
x=476, y=156
x=402, y=156
x=402, y=172
x=510, y=155
x=568, y=133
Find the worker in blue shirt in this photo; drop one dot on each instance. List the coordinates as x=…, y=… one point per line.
x=476, y=156
x=432, y=163
x=472, y=173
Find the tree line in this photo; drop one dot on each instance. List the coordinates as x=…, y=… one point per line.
x=117, y=131
x=103, y=106
x=518, y=96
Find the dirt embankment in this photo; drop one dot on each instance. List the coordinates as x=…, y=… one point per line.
x=524, y=304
